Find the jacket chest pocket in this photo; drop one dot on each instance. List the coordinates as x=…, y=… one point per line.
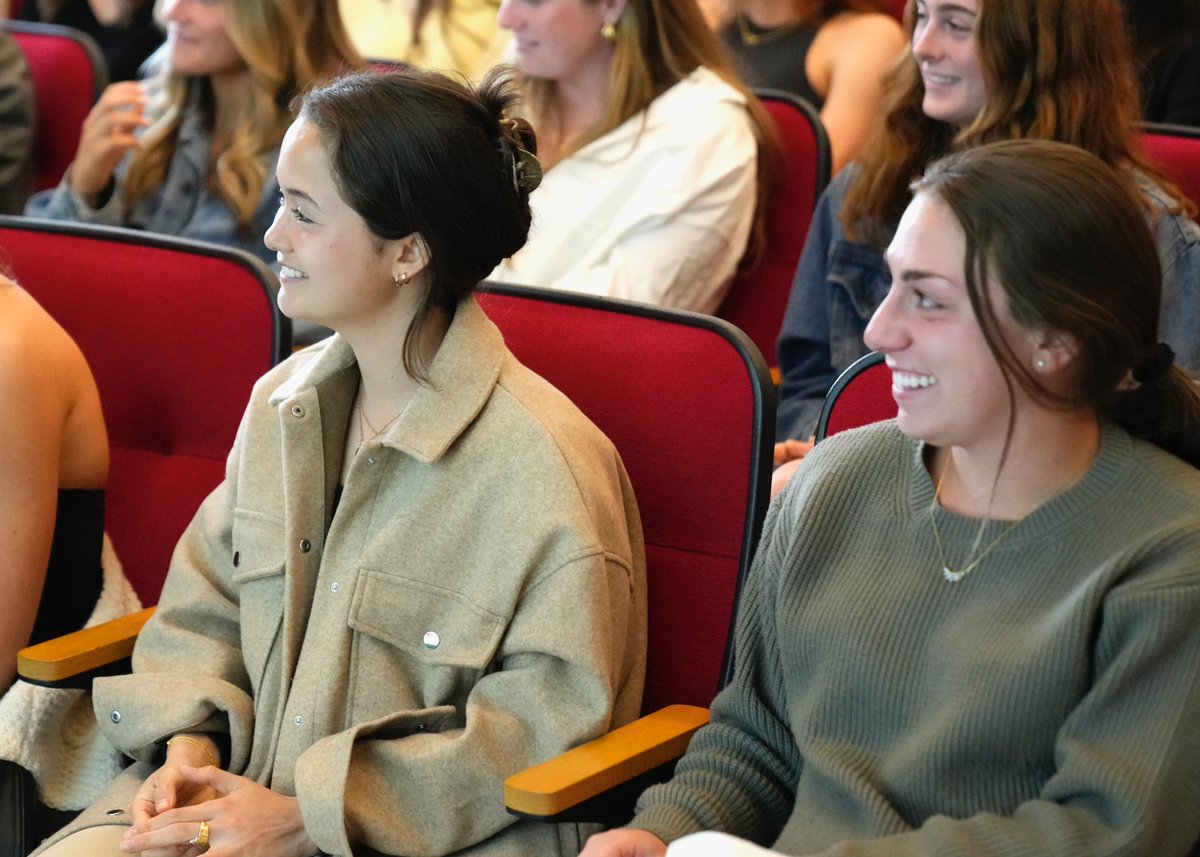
x=415, y=645
x=258, y=559
x=859, y=280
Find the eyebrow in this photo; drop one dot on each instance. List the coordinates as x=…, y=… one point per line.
x=951, y=8
x=914, y=274
x=301, y=194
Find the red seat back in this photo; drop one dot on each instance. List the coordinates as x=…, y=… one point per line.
x=1175, y=149
x=176, y=332
x=689, y=406
x=758, y=296
x=898, y=9
x=68, y=74
x=861, y=395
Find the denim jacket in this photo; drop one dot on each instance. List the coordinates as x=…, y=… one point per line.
x=840, y=283
x=182, y=205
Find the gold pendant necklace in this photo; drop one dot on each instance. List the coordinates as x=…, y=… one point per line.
x=752, y=39
x=950, y=574
x=362, y=419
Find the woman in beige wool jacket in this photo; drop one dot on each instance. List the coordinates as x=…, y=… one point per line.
x=424, y=570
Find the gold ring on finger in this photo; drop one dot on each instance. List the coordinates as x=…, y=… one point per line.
x=200, y=840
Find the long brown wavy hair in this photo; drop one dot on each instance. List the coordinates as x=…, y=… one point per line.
x=659, y=43
x=288, y=46
x=1054, y=70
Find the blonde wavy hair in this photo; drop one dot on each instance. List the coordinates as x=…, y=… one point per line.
x=287, y=46
x=658, y=43
x=1057, y=70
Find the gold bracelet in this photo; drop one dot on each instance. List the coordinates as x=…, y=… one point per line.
x=199, y=744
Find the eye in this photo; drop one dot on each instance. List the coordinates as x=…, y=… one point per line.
x=959, y=26
x=299, y=215
x=924, y=301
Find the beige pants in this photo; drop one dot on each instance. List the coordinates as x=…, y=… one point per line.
x=92, y=842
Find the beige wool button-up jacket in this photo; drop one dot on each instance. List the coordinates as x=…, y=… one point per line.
x=476, y=605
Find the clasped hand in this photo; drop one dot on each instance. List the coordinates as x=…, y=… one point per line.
x=243, y=817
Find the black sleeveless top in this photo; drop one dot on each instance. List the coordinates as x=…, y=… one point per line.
x=74, y=577
x=777, y=60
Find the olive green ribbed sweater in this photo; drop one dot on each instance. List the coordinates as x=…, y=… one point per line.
x=1047, y=704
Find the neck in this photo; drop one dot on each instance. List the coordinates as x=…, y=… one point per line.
x=386, y=387
x=231, y=94
x=578, y=105
x=770, y=13
x=1049, y=453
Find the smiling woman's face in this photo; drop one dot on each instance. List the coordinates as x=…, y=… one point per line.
x=944, y=47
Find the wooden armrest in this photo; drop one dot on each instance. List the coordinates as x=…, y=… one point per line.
x=63, y=658
x=580, y=774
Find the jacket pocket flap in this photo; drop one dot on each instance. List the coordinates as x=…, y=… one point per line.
x=438, y=625
x=257, y=546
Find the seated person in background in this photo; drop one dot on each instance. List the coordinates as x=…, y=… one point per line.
x=833, y=53
x=424, y=570
x=17, y=112
x=652, y=151
x=192, y=151
x=980, y=70
x=1166, y=47
x=972, y=630
x=444, y=35
x=124, y=30
x=54, y=458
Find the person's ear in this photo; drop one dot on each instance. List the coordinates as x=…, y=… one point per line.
x=411, y=257
x=612, y=10
x=1053, y=351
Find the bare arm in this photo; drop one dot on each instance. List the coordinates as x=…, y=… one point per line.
x=847, y=62
x=30, y=437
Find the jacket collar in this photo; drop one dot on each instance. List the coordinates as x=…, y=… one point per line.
x=461, y=380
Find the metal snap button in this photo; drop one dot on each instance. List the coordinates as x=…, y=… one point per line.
x=299, y=720
x=431, y=640
x=335, y=586
x=305, y=546
x=297, y=411
x=115, y=716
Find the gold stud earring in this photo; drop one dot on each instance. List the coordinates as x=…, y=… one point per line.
x=609, y=32
x=400, y=279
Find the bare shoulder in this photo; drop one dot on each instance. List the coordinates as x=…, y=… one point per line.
x=37, y=357
x=859, y=31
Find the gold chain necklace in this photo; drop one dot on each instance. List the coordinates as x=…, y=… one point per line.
x=952, y=575
x=362, y=419
x=752, y=39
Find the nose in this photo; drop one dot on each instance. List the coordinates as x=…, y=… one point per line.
x=885, y=331
x=925, y=42
x=173, y=10
x=276, y=235
x=507, y=16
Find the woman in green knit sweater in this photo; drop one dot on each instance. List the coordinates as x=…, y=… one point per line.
x=976, y=630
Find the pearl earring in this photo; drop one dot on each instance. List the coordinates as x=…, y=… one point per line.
x=1039, y=363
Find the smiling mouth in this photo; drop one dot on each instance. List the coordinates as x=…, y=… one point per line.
x=939, y=79
x=291, y=273
x=912, y=381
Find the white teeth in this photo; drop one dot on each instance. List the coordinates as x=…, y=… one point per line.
x=940, y=79
x=908, y=381
x=291, y=273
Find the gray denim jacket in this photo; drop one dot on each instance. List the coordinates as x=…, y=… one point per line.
x=182, y=205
